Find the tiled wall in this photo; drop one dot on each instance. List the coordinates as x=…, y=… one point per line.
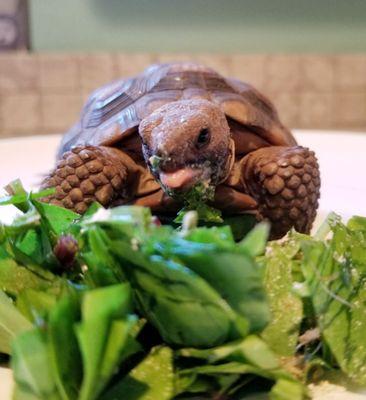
x=43, y=93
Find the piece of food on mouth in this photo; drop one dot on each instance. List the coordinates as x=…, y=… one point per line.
x=150, y=139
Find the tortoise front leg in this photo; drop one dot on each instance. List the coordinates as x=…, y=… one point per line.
x=91, y=173
x=285, y=182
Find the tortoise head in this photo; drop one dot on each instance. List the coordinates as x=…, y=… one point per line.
x=187, y=142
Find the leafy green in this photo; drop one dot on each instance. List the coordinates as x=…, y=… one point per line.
x=250, y=356
x=152, y=379
x=78, y=347
x=254, y=244
x=334, y=272
x=35, y=304
x=286, y=389
x=20, y=198
x=15, y=278
x=196, y=199
x=154, y=312
x=103, y=269
x=30, y=364
x=102, y=335
x=57, y=219
x=12, y=323
x=181, y=305
x=66, y=364
x=233, y=274
x=286, y=307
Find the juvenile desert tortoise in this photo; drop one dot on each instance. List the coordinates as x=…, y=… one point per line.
x=148, y=139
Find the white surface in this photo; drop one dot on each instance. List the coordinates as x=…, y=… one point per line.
x=342, y=158
x=6, y=384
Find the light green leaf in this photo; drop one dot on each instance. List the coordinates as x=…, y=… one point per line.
x=103, y=269
x=30, y=363
x=334, y=273
x=57, y=219
x=116, y=344
x=288, y=390
x=12, y=323
x=95, y=334
x=357, y=223
x=35, y=304
x=151, y=379
x=15, y=278
x=286, y=307
x=129, y=221
x=64, y=354
x=255, y=241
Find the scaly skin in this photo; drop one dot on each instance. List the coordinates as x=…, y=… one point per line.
x=285, y=182
x=87, y=174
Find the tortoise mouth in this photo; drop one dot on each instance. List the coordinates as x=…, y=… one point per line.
x=184, y=178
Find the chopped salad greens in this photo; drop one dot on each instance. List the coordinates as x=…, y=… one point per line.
x=196, y=199
x=111, y=305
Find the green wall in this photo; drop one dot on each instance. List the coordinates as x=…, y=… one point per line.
x=199, y=25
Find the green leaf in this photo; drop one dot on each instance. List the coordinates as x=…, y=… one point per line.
x=151, y=379
x=57, y=219
x=181, y=305
x=29, y=244
x=248, y=356
x=30, y=363
x=64, y=354
x=12, y=323
x=20, y=393
x=116, y=347
x=23, y=223
x=205, y=213
x=97, y=335
x=357, y=223
x=250, y=351
x=19, y=196
x=255, y=241
x=215, y=236
x=103, y=269
x=235, y=276
x=35, y=304
x=286, y=307
x=196, y=199
x=288, y=390
x=126, y=221
x=14, y=278
x=240, y=225
x=238, y=279
x=335, y=274
x=232, y=367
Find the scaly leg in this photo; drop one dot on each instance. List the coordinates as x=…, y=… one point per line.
x=285, y=182
x=92, y=173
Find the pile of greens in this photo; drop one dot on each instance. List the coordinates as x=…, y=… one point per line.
x=113, y=305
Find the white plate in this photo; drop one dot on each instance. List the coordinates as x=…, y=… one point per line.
x=342, y=158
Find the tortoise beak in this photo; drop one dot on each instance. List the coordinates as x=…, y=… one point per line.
x=183, y=178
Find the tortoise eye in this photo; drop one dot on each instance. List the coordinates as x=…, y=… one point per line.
x=203, y=138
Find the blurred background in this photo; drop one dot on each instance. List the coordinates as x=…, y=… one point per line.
x=308, y=57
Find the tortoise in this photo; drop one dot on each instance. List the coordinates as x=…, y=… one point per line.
x=149, y=139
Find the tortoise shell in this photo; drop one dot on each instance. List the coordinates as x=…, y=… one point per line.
x=114, y=111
